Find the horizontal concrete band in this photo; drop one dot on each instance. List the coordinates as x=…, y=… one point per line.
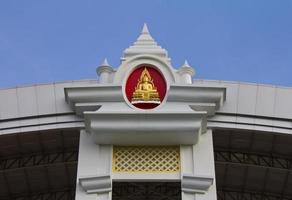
x=220, y=120
x=39, y=123
x=241, y=98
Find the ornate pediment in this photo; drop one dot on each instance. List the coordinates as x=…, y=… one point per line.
x=145, y=100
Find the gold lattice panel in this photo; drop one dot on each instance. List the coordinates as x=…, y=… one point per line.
x=146, y=159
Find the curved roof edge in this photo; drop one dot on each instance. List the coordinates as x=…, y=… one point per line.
x=95, y=81
x=247, y=104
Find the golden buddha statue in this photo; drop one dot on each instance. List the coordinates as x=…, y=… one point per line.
x=145, y=91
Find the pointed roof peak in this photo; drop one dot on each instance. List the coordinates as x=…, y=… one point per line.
x=105, y=62
x=145, y=36
x=145, y=29
x=186, y=68
x=104, y=67
x=145, y=44
x=186, y=65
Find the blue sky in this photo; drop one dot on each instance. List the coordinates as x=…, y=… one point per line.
x=57, y=40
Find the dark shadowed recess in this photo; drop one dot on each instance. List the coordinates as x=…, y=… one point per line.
x=146, y=191
x=39, y=165
x=253, y=165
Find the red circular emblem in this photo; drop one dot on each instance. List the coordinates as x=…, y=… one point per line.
x=145, y=87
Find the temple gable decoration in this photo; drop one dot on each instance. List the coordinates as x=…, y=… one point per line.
x=145, y=87
x=145, y=91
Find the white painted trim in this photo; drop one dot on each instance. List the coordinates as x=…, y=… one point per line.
x=93, y=94
x=147, y=177
x=130, y=64
x=96, y=184
x=196, y=184
x=132, y=128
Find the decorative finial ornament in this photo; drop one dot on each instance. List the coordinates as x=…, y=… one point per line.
x=186, y=64
x=103, y=71
x=105, y=63
x=145, y=44
x=186, y=72
x=145, y=87
x=104, y=66
x=186, y=68
x=145, y=29
x=145, y=36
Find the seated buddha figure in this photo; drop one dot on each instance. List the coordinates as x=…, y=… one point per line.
x=145, y=91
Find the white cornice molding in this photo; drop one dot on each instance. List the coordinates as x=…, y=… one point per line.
x=96, y=184
x=196, y=184
x=180, y=120
x=145, y=128
x=210, y=108
x=90, y=98
x=198, y=94
x=100, y=93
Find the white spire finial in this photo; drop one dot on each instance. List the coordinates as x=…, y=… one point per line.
x=105, y=63
x=103, y=71
x=186, y=72
x=145, y=44
x=145, y=29
x=186, y=63
x=145, y=36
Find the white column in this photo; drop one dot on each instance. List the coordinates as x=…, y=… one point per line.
x=205, y=165
x=198, y=170
x=187, y=167
x=94, y=170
